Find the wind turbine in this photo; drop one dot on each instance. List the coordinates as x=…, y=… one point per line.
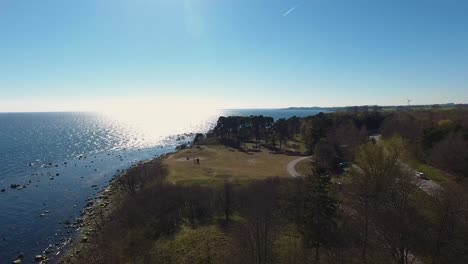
x=409, y=102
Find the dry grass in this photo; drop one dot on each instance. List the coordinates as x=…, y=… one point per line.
x=305, y=167
x=218, y=163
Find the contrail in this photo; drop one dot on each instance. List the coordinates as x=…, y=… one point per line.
x=290, y=10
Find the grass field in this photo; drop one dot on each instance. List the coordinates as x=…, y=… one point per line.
x=219, y=163
x=304, y=167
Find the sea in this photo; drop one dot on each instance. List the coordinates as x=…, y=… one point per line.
x=52, y=163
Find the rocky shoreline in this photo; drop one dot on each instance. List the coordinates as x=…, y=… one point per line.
x=85, y=226
x=96, y=213
x=79, y=230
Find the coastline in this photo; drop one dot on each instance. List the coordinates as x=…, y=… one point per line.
x=96, y=212
x=47, y=181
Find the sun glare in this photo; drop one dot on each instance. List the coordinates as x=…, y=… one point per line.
x=158, y=118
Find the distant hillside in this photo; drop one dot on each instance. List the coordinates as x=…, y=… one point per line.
x=364, y=108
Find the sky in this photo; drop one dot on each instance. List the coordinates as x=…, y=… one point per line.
x=79, y=55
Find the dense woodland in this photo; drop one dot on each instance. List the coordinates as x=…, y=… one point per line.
x=372, y=213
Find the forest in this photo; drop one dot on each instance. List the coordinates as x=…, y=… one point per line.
x=360, y=203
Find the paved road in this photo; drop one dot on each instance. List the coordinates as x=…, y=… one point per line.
x=428, y=186
x=291, y=168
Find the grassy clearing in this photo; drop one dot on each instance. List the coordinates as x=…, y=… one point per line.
x=219, y=163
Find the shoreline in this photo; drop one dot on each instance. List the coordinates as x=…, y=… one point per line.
x=49, y=223
x=104, y=203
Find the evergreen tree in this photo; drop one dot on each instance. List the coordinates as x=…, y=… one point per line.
x=319, y=212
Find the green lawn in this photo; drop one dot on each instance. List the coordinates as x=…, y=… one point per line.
x=219, y=163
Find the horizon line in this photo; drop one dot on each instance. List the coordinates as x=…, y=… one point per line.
x=249, y=108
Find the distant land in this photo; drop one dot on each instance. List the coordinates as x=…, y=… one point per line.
x=364, y=108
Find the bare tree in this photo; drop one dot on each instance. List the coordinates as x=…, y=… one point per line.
x=226, y=200
x=398, y=221
x=129, y=182
x=141, y=175
x=257, y=235
x=402, y=124
x=371, y=177
x=451, y=154
x=450, y=230
x=347, y=137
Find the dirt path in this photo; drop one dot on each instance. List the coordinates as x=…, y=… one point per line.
x=291, y=167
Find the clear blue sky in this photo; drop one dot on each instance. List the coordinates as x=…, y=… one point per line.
x=242, y=53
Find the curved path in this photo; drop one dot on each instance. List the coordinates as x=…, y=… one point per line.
x=291, y=168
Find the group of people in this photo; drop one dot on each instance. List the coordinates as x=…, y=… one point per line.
x=195, y=161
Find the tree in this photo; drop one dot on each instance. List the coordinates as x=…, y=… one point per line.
x=371, y=175
x=226, y=201
x=256, y=237
x=260, y=126
x=198, y=205
x=314, y=128
x=281, y=131
x=402, y=124
x=243, y=135
x=198, y=137
x=129, y=182
x=346, y=138
x=325, y=154
x=446, y=125
x=451, y=154
x=449, y=233
x=294, y=126
x=319, y=212
x=399, y=224
x=239, y=129
x=135, y=178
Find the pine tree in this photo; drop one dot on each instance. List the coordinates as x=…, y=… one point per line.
x=319, y=212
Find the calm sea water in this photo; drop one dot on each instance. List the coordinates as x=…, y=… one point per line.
x=58, y=160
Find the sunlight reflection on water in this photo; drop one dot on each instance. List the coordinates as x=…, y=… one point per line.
x=150, y=122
